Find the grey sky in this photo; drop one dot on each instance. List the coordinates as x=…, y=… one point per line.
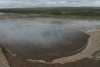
x=48, y=3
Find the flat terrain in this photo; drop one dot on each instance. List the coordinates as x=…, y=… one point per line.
x=93, y=61
x=40, y=39
x=90, y=57
x=55, y=12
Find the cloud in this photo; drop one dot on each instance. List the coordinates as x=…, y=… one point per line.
x=48, y=3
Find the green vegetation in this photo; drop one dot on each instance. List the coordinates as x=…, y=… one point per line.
x=58, y=12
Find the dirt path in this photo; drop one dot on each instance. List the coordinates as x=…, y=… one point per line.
x=3, y=60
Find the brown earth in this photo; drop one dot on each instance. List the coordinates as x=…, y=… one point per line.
x=85, y=61
x=19, y=62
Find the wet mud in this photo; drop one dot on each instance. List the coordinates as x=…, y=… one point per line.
x=40, y=41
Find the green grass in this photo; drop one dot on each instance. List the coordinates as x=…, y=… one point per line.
x=57, y=13
x=65, y=16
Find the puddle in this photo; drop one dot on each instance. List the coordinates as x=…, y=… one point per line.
x=1, y=13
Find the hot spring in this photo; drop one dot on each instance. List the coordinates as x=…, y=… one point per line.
x=39, y=41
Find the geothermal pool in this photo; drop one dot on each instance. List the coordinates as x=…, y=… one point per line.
x=44, y=39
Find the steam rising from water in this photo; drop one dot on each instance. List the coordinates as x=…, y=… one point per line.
x=36, y=34
x=39, y=38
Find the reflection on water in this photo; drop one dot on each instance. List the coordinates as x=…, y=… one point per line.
x=39, y=41
x=1, y=13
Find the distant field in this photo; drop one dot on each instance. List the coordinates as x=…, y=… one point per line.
x=58, y=12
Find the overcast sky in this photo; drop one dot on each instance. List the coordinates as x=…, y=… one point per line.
x=48, y=3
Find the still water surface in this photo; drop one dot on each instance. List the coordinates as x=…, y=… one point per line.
x=44, y=39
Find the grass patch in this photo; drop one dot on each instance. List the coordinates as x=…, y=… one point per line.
x=57, y=13
x=65, y=16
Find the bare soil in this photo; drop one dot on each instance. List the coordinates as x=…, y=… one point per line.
x=19, y=62
x=85, y=62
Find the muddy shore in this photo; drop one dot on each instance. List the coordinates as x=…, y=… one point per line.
x=90, y=57
x=39, y=41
